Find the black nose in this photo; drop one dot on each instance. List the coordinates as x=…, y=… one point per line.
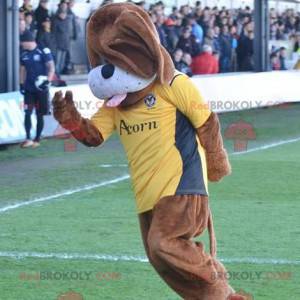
x=107, y=71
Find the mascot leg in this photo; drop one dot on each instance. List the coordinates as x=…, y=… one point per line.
x=167, y=233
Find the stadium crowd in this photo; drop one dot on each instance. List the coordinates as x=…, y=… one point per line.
x=206, y=40
x=52, y=31
x=201, y=40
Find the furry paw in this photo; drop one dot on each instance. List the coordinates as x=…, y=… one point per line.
x=218, y=165
x=65, y=112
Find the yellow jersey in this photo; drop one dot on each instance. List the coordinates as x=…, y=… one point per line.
x=158, y=134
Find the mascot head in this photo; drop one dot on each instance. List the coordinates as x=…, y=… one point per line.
x=123, y=36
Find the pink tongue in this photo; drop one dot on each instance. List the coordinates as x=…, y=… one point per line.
x=115, y=100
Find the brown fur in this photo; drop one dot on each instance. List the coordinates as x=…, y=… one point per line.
x=167, y=232
x=69, y=118
x=210, y=138
x=123, y=34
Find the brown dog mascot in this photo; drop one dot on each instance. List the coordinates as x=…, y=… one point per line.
x=172, y=141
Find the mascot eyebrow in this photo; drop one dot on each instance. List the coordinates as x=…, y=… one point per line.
x=172, y=141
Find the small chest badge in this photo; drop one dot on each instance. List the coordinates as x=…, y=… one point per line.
x=150, y=100
x=36, y=57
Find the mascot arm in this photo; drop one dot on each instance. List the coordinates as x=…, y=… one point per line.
x=210, y=138
x=188, y=99
x=69, y=118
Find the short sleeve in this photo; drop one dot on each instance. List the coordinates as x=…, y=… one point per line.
x=47, y=55
x=22, y=59
x=103, y=119
x=187, y=98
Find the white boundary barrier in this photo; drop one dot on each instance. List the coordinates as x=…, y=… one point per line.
x=230, y=92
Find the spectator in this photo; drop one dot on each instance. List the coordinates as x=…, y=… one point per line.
x=204, y=18
x=29, y=22
x=282, y=58
x=188, y=43
x=296, y=47
x=178, y=26
x=280, y=33
x=36, y=72
x=225, y=41
x=234, y=41
x=205, y=63
x=171, y=34
x=177, y=59
x=159, y=8
x=63, y=5
x=22, y=26
x=185, y=10
x=61, y=35
x=72, y=19
x=40, y=14
x=248, y=27
x=209, y=38
x=46, y=38
x=245, y=52
x=26, y=7
x=290, y=25
x=197, y=30
x=216, y=40
x=187, y=61
x=182, y=62
x=160, y=20
x=198, y=4
x=275, y=63
x=174, y=13
x=273, y=31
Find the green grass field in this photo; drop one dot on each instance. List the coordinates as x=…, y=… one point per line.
x=256, y=215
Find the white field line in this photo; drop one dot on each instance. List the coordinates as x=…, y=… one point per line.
x=113, y=166
x=104, y=257
x=62, y=194
x=268, y=146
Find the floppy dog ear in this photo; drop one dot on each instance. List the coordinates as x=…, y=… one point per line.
x=127, y=38
x=140, y=47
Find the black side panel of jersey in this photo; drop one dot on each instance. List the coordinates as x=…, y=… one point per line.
x=191, y=181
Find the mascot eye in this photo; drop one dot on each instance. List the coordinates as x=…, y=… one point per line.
x=107, y=71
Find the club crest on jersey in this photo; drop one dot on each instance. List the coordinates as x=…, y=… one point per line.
x=150, y=100
x=36, y=57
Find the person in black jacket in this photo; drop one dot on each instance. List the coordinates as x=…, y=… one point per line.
x=245, y=52
x=40, y=14
x=225, y=41
x=36, y=73
x=61, y=35
x=72, y=18
x=29, y=22
x=188, y=43
x=282, y=58
x=46, y=38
